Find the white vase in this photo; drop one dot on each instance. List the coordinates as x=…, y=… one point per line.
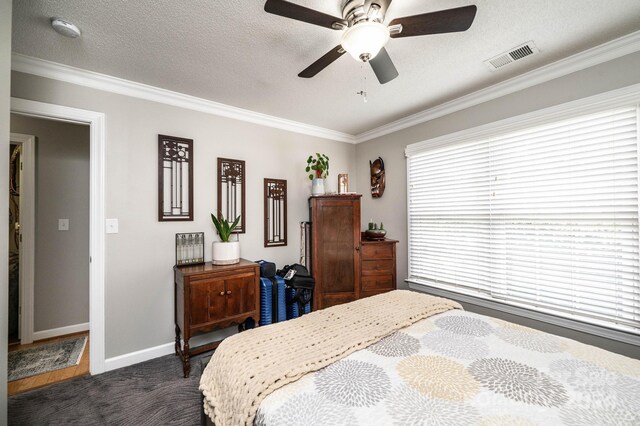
x=225, y=253
x=317, y=186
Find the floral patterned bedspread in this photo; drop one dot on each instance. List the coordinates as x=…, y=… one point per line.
x=463, y=368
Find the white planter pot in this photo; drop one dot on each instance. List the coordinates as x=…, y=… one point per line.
x=225, y=253
x=317, y=186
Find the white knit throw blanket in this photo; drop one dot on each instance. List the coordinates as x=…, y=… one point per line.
x=249, y=366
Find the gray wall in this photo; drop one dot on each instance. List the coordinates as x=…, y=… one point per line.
x=61, y=287
x=392, y=207
x=5, y=84
x=139, y=298
x=139, y=259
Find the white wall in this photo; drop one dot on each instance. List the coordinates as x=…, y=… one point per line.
x=61, y=287
x=5, y=82
x=392, y=207
x=139, y=260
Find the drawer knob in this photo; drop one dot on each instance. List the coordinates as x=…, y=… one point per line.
x=222, y=293
x=228, y=291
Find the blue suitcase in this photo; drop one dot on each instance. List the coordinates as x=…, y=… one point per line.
x=272, y=303
x=293, y=310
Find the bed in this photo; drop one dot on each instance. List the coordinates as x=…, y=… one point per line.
x=443, y=365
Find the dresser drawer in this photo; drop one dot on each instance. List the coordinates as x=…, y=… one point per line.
x=377, y=251
x=377, y=282
x=377, y=267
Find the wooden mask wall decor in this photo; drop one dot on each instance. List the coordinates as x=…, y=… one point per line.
x=377, y=177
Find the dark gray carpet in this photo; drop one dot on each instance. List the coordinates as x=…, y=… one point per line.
x=150, y=393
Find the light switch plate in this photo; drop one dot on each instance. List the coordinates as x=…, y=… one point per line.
x=63, y=224
x=112, y=226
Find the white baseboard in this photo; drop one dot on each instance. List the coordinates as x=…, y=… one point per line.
x=165, y=349
x=138, y=356
x=61, y=331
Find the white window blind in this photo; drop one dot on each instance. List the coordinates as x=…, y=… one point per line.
x=544, y=218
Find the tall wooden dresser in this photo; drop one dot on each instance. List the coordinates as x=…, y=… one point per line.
x=210, y=297
x=335, y=249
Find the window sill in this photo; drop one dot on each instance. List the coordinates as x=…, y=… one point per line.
x=607, y=333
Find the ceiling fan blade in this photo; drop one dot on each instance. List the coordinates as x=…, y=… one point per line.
x=301, y=13
x=443, y=21
x=323, y=62
x=384, y=5
x=383, y=67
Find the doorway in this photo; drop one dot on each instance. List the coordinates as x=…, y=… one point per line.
x=21, y=233
x=60, y=289
x=15, y=163
x=95, y=121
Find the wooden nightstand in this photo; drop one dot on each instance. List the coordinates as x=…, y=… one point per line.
x=210, y=297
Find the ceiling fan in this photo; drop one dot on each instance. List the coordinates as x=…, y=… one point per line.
x=365, y=35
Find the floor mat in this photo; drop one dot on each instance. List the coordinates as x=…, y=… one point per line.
x=47, y=357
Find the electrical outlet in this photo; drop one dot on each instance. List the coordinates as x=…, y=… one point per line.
x=63, y=224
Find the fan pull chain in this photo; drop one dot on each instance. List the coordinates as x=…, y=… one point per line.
x=363, y=92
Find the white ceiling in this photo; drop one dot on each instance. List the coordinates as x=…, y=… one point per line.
x=233, y=52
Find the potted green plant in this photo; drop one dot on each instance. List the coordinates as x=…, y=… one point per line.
x=374, y=233
x=318, y=169
x=225, y=252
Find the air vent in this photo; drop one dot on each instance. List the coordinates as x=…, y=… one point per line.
x=509, y=57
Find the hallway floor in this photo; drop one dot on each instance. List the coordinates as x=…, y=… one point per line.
x=50, y=377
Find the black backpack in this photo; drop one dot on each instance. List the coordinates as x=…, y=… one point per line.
x=297, y=277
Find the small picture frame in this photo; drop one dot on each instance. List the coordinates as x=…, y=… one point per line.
x=343, y=183
x=189, y=248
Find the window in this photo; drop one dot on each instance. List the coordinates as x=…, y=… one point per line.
x=544, y=217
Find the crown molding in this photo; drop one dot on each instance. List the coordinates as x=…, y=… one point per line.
x=585, y=59
x=94, y=80
x=605, y=52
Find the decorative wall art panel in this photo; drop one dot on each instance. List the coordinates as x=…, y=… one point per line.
x=275, y=212
x=231, y=191
x=175, y=179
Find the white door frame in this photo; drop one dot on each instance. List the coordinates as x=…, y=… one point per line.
x=27, y=232
x=96, y=122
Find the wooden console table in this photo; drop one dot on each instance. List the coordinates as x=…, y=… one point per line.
x=210, y=297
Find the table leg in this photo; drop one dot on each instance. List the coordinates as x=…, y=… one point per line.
x=177, y=345
x=186, y=364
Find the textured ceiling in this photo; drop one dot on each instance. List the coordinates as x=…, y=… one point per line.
x=233, y=52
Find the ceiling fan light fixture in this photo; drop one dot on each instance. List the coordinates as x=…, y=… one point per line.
x=364, y=40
